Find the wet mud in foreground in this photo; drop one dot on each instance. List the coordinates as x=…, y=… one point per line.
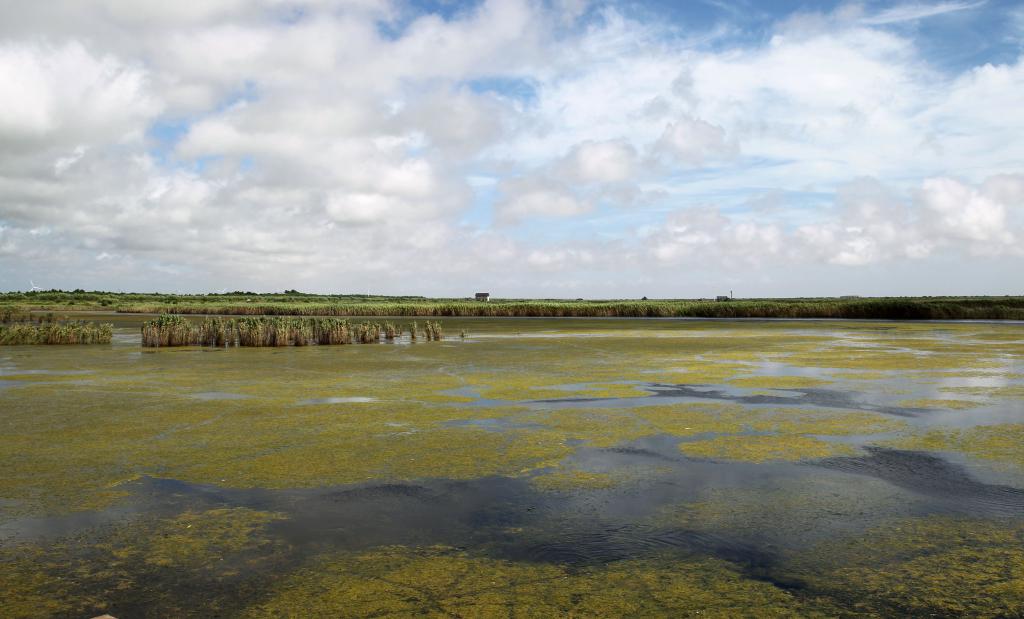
x=536, y=468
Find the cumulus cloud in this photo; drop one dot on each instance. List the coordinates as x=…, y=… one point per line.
x=65, y=95
x=869, y=223
x=611, y=161
x=537, y=196
x=692, y=141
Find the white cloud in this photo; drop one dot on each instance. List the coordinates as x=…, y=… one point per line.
x=693, y=142
x=612, y=161
x=64, y=95
x=537, y=197
x=963, y=212
x=335, y=141
x=915, y=11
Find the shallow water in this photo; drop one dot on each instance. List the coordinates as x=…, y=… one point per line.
x=571, y=466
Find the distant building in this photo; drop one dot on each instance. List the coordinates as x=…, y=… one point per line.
x=483, y=296
x=722, y=297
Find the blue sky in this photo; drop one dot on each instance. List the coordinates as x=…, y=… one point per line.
x=551, y=148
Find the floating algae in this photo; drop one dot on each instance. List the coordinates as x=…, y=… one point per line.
x=794, y=435
x=616, y=442
x=790, y=512
x=1001, y=443
x=561, y=481
x=923, y=567
x=778, y=382
x=193, y=549
x=440, y=581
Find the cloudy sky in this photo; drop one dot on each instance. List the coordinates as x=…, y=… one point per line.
x=556, y=148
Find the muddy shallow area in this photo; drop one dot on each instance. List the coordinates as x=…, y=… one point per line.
x=535, y=467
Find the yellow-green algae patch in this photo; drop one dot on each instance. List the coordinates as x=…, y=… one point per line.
x=65, y=450
x=794, y=435
x=198, y=538
x=66, y=446
x=778, y=382
x=925, y=567
x=529, y=386
x=441, y=582
x=60, y=579
x=561, y=481
x=1003, y=443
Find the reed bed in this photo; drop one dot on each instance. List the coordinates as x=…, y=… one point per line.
x=990, y=308
x=271, y=331
x=75, y=332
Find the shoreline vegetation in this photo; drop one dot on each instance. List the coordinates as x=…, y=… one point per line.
x=300, y=304
x=174, y=330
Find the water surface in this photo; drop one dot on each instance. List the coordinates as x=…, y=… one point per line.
x=535, y=467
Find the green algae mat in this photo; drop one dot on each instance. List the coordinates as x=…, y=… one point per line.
x=533, y=468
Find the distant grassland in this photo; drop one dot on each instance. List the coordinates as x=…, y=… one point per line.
x=297, y=304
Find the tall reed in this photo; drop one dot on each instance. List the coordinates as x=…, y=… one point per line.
x=76, y=332
x=263, y=331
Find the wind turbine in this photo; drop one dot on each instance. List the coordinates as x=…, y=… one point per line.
x=34, y=288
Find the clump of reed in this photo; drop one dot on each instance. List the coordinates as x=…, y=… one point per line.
x=433, y=331
x=266, y=331
x=75, y=332
x=170, y=330
x=368, y=333
x=332, y=331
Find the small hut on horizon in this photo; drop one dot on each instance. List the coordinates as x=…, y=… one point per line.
x=483, y=296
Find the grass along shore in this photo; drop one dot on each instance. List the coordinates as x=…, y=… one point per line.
x=298, y=304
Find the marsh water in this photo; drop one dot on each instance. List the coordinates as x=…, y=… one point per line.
x=534, y=467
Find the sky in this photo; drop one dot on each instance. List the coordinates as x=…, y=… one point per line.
x=555, y=148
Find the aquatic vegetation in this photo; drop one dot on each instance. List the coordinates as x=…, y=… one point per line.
x=60, y=333
x=296, y=418
x=433, y=331
x=1001, y=443
x=790, y=512
x=562, y=481
x=778, y=382
x=178, y=553
x=173, y=330
x=198, y=538
x=441, y=581
x=923, y=567
x=526, y=386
